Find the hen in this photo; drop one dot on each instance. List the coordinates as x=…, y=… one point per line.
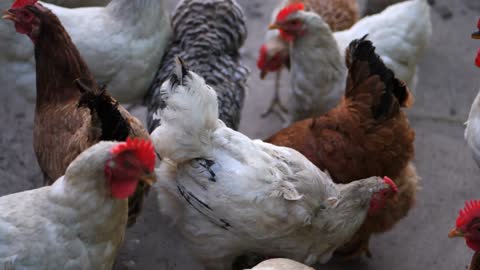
x=122, y=43
x=208, y=35
x=468, y=227
x=472, y=132
x=274, y=53
x=79, y=3
x=79, y=221
x=317, y=70
x=229, y=195
x=281, y=264
x=66, y=121
x=367, y=134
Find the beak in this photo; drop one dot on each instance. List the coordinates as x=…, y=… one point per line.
x=273, y=26
x=8, y=15
x=476, y=35
x=455, y=233
x=263, y=74
x=149, y=178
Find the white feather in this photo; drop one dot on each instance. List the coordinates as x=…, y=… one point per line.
x=228, y=194
x=122, y=43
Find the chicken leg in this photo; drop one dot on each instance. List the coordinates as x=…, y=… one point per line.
x=276, y=107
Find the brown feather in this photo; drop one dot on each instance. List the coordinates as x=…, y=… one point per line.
x=475, y=263
x=62, y=128
x=338, y=14
x=366, y=135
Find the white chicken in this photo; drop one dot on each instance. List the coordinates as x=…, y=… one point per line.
x=400, y=34
x=229, y=195
x=472, y=132
x=78, y=222
x=122, y=43
x=274, y=53
x=281, y=264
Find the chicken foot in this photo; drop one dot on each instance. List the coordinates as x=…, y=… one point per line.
x=276, y=107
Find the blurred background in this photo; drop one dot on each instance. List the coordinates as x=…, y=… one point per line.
x=448, y=83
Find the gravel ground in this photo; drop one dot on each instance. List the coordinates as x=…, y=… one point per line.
x=448, y=83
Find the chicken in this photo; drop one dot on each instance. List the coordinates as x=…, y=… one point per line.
x=281, y=264
x=208, y=35
x=228, y=194
x=68, y=120
x=122, y=43
x=367, y=134
x=317, y=70
x=468, y=227
x=273, y=56
x=79, y=221
x=472, y=132
x=79, y=3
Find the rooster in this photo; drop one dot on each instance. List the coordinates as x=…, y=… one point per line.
x=230, y=195
x=274, y=53
x=122, y=43
x=208, y=35
x=317, y=70
x=78, y=222
x=472, y=132
x=367, y=134
x=70, y=114
x=468, y=227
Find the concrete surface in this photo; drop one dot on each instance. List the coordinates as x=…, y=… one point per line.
x=448, y=83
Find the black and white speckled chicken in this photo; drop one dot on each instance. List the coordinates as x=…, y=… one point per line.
x=207, y=35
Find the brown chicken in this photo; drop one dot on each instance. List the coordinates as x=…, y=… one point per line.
x=367, y=134
x=71, y=113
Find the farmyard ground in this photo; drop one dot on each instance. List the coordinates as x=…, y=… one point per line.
x=448, y=83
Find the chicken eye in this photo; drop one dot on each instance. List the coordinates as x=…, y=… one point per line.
x=295, y=22
x=27, y=16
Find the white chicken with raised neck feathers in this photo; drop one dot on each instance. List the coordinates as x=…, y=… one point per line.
x=122, y=43
x=79, y=222
x=400, y=34
x=228, y=194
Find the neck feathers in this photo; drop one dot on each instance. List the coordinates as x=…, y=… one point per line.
x=58, y=63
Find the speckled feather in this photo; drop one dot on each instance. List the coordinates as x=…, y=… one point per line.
x=207, y=36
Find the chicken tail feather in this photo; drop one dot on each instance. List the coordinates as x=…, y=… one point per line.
x=187, y=118
x=369, y=76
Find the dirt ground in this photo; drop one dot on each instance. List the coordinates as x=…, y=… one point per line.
x=448, y=83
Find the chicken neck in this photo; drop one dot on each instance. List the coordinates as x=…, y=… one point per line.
x=81, y=200
x=58, y=64
x=318, y=74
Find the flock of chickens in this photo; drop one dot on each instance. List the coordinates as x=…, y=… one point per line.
x=340, y=171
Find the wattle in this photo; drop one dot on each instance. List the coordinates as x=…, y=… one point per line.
x=122, y=189
x=473, y=244
x=477, y=60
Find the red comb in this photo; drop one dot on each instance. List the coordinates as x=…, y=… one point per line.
x=23, y=3
x=143, y=149
x=262, y=56
x=389, y=182
x=286, y=11
x=477, y=60
x=471, y=210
